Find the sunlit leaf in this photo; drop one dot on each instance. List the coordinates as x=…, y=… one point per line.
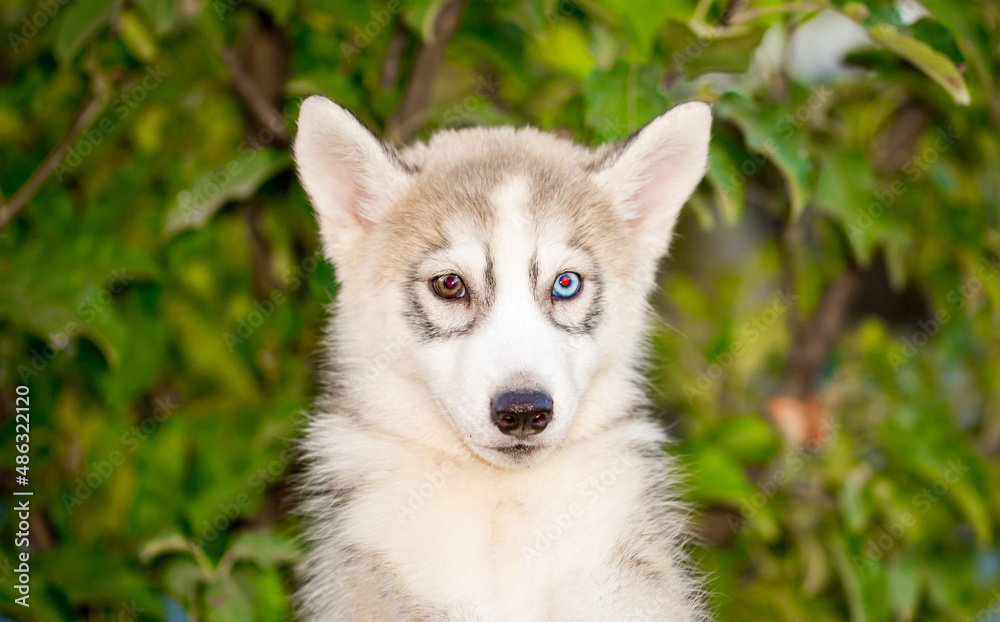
x=768, y=134
x=239, y=179
x=136, y=36
x=163, y=545
x=160, y=13
x=933, y=63
x=904, y=587
x=263, y=548
x=79, y=22
x=697, y=51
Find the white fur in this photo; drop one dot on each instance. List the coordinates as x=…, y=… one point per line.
x=346, y=173
x=413, y=511
x=658, y=171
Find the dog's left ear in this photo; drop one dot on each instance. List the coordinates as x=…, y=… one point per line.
x=652, y=174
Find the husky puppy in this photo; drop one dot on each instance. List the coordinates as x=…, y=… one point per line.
x=483, y=452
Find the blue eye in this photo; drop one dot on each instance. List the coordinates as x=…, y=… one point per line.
x=567, y=285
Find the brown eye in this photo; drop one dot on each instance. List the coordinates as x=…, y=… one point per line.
x=449, y=286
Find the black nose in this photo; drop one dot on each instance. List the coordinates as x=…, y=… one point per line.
x=522, y=413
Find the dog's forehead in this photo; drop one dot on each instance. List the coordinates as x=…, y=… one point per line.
x=502, y=191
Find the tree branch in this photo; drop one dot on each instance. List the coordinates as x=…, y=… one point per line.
x=87, y=115
x=788, y=244
x=393, y=62
x=248, y=89
x=815, y=339
x=264, y=64
x=734, y=7
x=426, y=67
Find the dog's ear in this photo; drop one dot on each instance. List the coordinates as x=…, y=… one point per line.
x=351, y=176
x=651, y=174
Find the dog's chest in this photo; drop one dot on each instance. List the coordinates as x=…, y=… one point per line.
x=505, y=546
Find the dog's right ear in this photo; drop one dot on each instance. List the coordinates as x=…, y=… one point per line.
x=351, y=176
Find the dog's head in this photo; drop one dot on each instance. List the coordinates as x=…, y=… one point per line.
x=494, y=281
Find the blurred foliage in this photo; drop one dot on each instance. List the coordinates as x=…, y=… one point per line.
x=162, y=295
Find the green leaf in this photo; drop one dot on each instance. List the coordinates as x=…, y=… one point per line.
x=845, y=190
x=904, y=587
x=421, y=15
x=81, y=20
x=164, y=544
x=694, y=50
x=817, y=566
x=937, y=35
x=226, y=602
x=263, y=548
x=183, y=577
x=934, y=64
x=565, y=48
x=960, y=491
x=83, y=575
x=727, y=188
x=623, y=99
x=748, y=437
x=643, y=19
x=237, y=180
x=201, y=343
x=719, y=477
x=849, y=578
x=851, y=498
x=160, y=13
x=79, y=301
x=136, y=37
x=768, y=132
x=271, y=598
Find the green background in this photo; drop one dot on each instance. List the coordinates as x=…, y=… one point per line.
x=828, y=359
